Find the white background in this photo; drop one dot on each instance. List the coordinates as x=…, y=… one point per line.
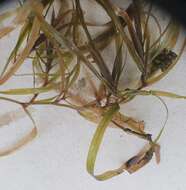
x=56, y=159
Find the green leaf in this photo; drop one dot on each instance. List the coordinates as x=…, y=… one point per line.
x=95, y=145
x=27, y=91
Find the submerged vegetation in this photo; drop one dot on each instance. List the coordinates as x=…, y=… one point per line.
x=67, y=58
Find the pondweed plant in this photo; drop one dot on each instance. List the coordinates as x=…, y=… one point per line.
x=66, y=58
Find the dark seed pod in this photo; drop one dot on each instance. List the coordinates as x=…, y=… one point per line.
x=163, y=60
